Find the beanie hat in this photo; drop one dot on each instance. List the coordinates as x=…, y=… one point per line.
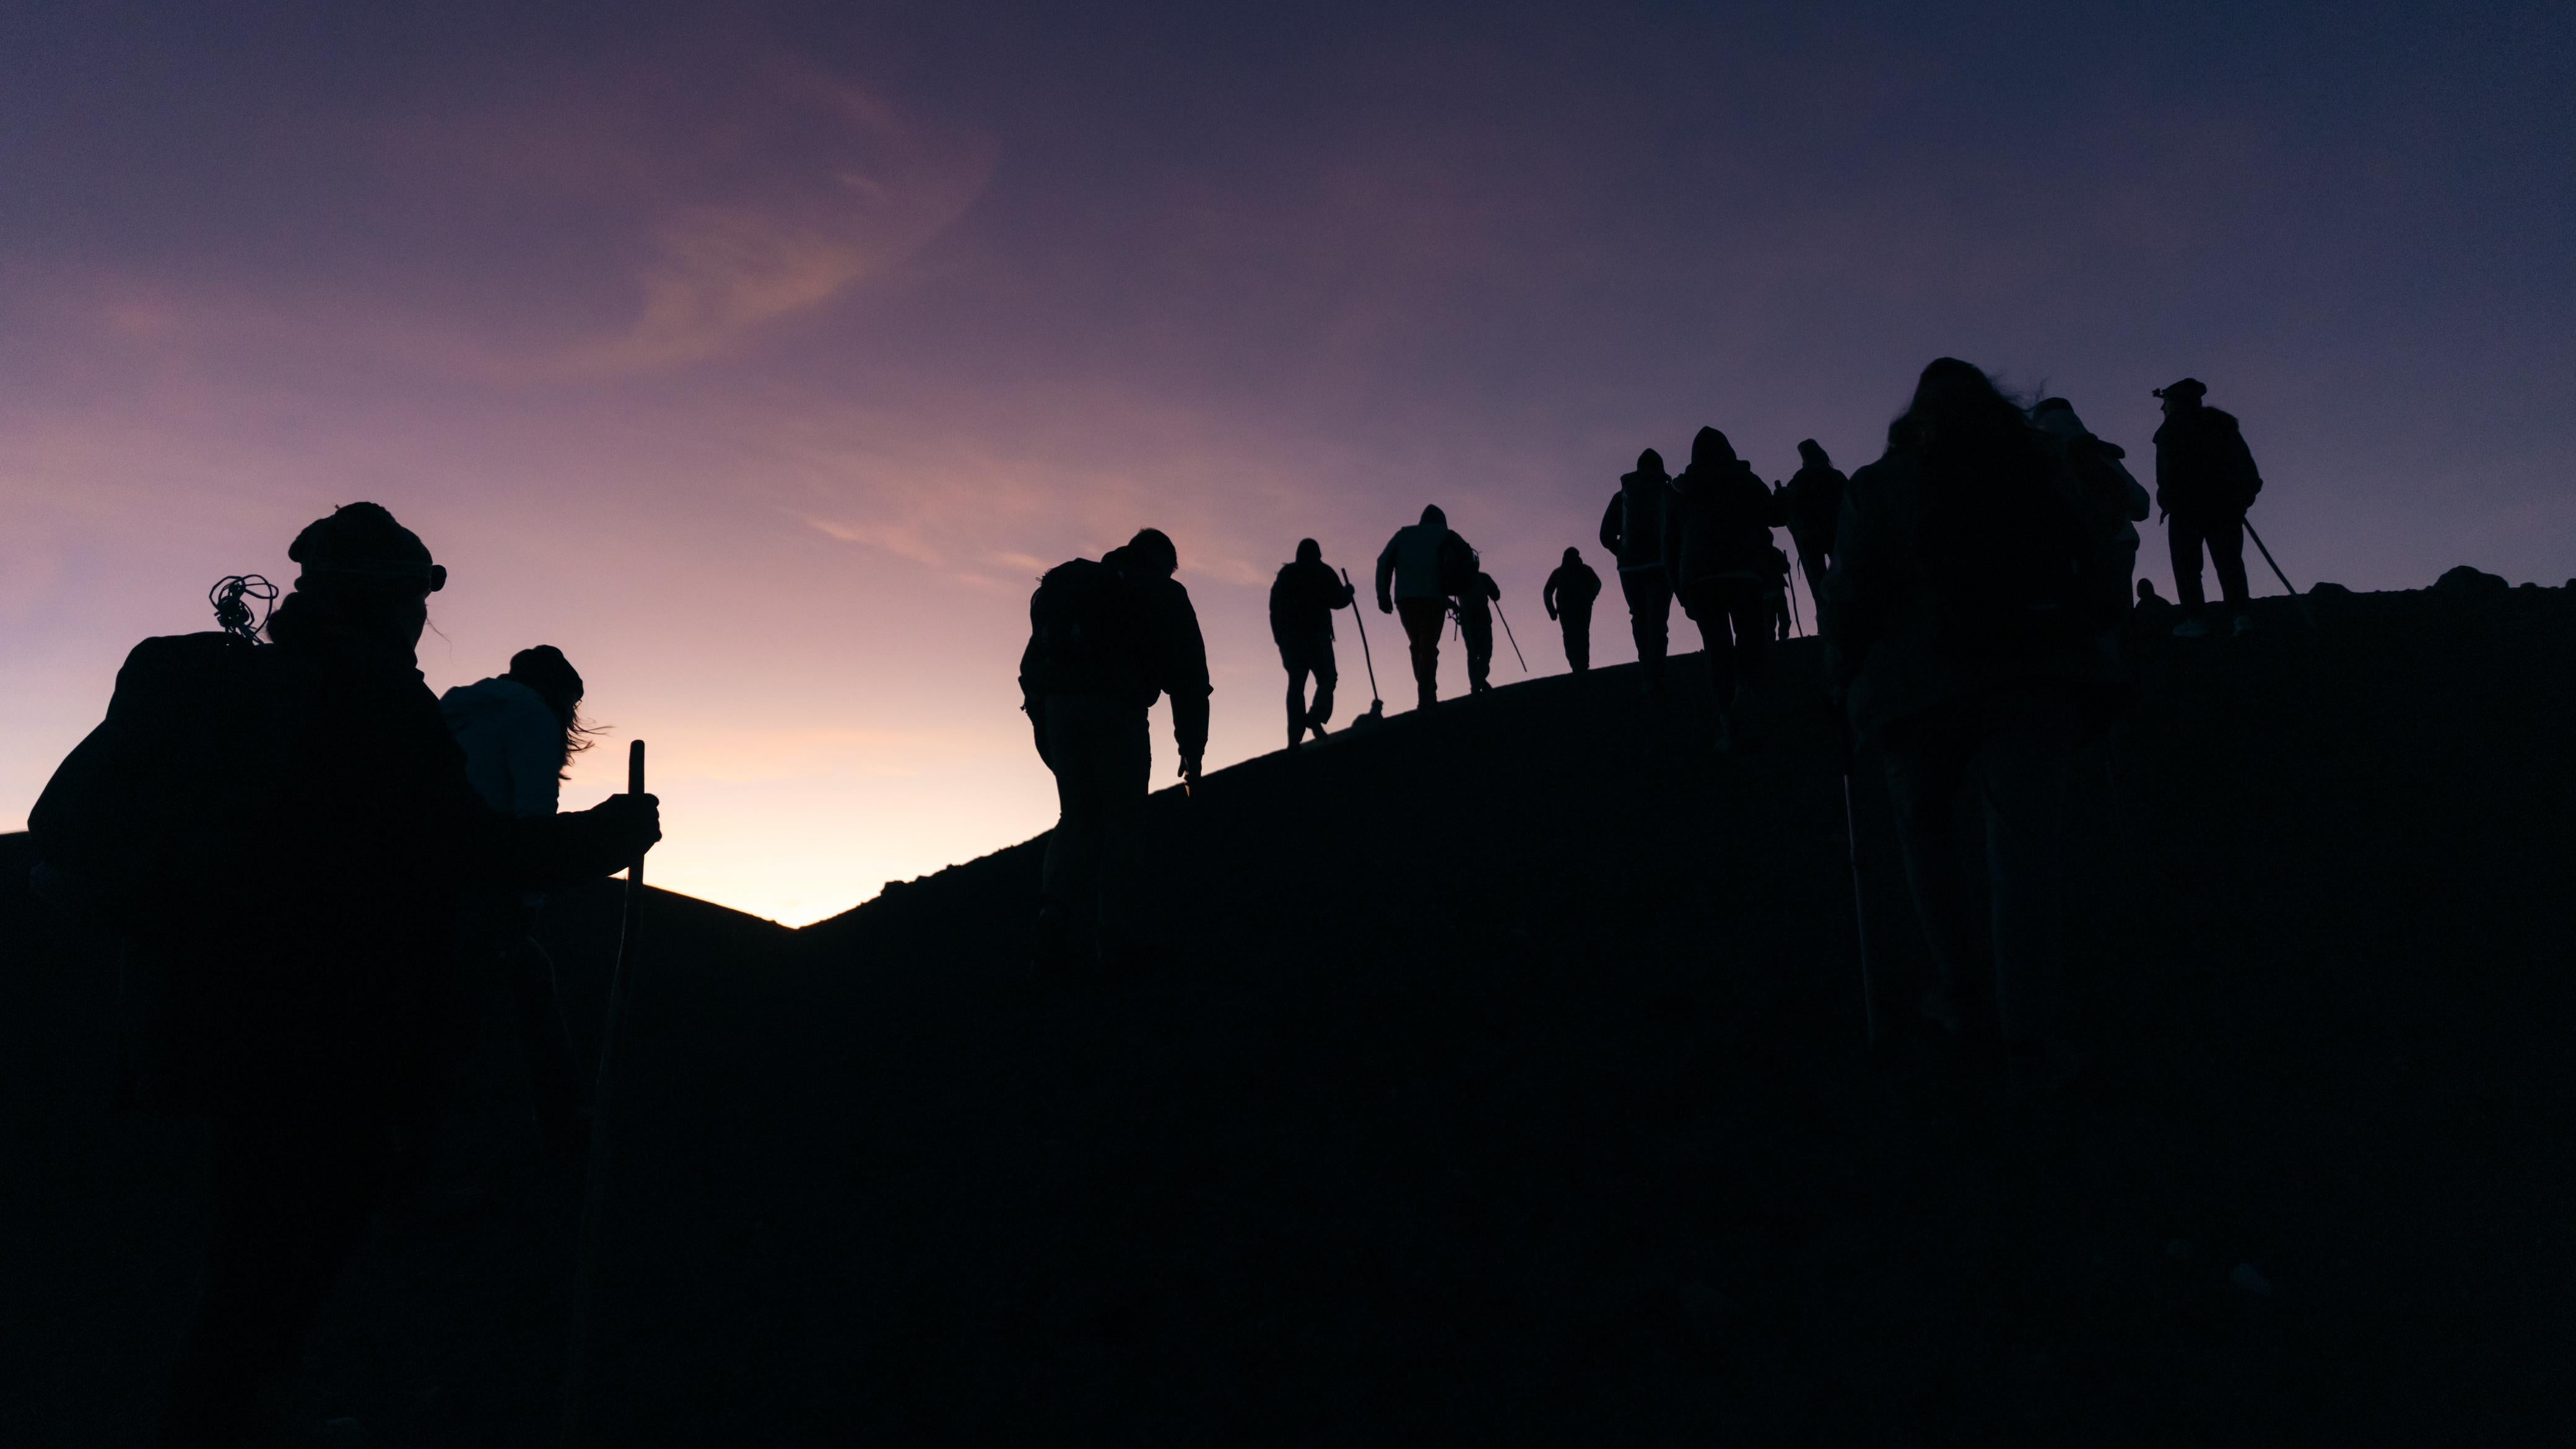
x=362, y=540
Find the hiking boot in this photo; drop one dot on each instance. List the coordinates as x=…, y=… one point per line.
x=1318, y=729
x=2244, y=626
x=2194, y=627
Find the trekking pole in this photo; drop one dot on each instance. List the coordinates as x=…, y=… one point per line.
x=2304, y=611
x=585, y=1283
x=1860, y=908
x=1377, y=706
x=1794, y=621
x=1507, y=633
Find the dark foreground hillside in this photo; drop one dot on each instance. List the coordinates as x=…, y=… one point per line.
x=1502, y=1080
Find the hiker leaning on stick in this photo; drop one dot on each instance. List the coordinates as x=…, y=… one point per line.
x=1717, y=552
x=1968, y=624
x=285, y=834
x=2205, y=482
x=1419, y=571
x=1106, y=639
x=1476, y=627
x=1568, y=598
x=1302, y=601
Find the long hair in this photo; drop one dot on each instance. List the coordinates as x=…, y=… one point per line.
x=1988, y=475
x=545, y=670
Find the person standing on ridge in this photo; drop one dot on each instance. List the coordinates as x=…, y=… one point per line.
x=1106, y=639
x=1632, y=528
x=1968, y=657
x=1302, y=601
x=1568, y=598
x=1813, y=499
x=519, y=732
x=1717, y=551
x=1775, y=594
x=1476, y=627
x=285, y=834
x=2205, y=482
x=1421, y=568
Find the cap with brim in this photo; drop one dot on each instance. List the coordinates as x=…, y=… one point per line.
x=2189, y=387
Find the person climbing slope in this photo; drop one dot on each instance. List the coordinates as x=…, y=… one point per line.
x=1717, y=551
x=1106, y=639
x=1632, y=528
x=285, y=834
x=1302, y=600
x=1476, y=628
x=1568, y=598
x=1419, y=571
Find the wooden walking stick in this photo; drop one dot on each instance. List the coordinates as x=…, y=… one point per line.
x=1377, y=706
x=585, y=1283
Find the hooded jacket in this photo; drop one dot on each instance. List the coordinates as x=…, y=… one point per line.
x=1632, y=527
x=1417, y=560
x=1152, y=644
x=2096, y=461
x=1571, y=589
x=1303, y=598
x=1721, y=516
x=1814, y=500
x=2203, y=468
x=513, y=744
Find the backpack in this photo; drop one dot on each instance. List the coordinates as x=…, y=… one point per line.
x=139, y=819
x=2039, y=567
x=1087, y=632
x=1458, y=567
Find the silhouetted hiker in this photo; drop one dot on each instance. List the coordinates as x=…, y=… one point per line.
x=285, y=835
x=1968, y=625
x=2205, y=482
x=2097, y=468
x=1476, y=628
x=1632, y=528
x=1568, y=597
x=519, y=731
x=1813, y=497
x=1775, y=593
x=1302, y=601
x=1426, y=565
x=1717, y=551
x=1107, y=639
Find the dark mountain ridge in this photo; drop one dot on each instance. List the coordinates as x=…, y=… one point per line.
x=1499, y=1076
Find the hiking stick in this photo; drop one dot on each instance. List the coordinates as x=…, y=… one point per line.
x=2304, y=611
x=585, y=1283
x=1377, y=706
x=1507, y=633
x=1860, y=909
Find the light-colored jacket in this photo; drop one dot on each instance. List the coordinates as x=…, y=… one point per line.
x=513, y=744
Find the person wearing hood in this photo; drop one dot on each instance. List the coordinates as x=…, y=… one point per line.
x=519, y=732
x=1302, y=600
x=294, y=870
x=2095, y=466
x=1106, y=639
x=1717, y=550
x=2205, y=482
x=1970, y=685
x=1476, y=628
x=1813, y=500
x=1568, y=599
x=1420, y=570
x=1632, y=528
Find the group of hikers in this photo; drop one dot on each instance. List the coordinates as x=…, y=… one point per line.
x=317, y=866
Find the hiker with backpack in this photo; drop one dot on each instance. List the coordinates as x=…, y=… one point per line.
x=2205, y=482
x=1302, y=600
x=1813, y=501
x=284, y=834
x=1106, y=639
x=1717, y=551
x=519, y=731
x=1568, y=599
x=1476, y=628
x=1422, y=568
x=1968, y=623
x=2097, y=469
x=1632, y=528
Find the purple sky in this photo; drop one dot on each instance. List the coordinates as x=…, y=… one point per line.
x=761, y=358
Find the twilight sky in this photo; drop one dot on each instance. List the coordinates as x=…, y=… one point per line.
x=761, y=356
